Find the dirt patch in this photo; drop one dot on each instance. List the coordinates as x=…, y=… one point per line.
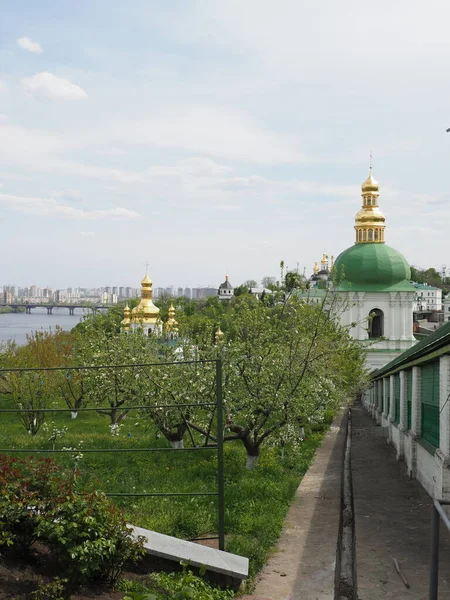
x=21, y=575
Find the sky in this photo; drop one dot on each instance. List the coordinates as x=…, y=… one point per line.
x=217, y=136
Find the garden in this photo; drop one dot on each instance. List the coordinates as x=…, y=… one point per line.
x=130, y=404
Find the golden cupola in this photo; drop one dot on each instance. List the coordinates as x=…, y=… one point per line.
x=126, y=320
x=369, y=221
x=171, y=326
x=218, y=335
x=145, y=313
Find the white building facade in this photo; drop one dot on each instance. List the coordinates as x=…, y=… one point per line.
x=409, y=399
x=427, y=297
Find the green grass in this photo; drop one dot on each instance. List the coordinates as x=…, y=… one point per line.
x=256, y=502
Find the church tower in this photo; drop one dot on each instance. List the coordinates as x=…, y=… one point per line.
x=145, y=315
x=373, y=281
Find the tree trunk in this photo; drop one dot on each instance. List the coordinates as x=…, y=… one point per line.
x=252, y=453
x=175, y=438
x=251, y=462
x=178, y=444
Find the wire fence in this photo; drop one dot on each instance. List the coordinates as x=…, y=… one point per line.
x=30, y=405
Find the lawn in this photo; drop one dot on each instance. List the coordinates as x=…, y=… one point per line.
x=256, y=501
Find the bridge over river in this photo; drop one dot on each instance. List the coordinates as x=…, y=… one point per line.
x=28, y=306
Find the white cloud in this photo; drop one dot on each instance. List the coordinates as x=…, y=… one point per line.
x=44, y=207
x=47, y=85
x=211, y=130
x=110, y=152
x=27, y=44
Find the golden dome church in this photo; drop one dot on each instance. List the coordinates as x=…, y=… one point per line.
x=374, y=281
x=145, y=315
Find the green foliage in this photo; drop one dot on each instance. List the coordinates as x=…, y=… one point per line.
x=283, y=364
x=89, y=537
x=430, y=276
x=27, y=488
x=86, y=534
x=180, y=586
x=54, y=590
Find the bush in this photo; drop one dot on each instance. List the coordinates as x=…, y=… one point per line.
x=27, y=489
x=55, y=590
x=90, y=538
x=86, y=534
x=179, y=586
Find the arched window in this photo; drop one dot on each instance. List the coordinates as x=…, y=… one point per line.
x=376, y=235
x=364, y=235
x=369, y=201
x=370, y=235
x=360, y=235
x=376, y=323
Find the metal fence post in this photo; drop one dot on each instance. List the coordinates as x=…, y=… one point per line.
x=220, y=464
x=434, y=555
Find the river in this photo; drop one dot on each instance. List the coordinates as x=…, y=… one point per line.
x=16, y=326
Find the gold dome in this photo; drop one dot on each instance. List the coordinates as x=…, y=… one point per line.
x=370, y=185
x=146, y=281
x=145, y=313
x=171, y=325
x=126, y=320
x=369, y=220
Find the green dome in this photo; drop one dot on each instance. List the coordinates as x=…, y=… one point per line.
x=373, y=267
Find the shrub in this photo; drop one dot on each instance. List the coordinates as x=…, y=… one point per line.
x=27, y=489
x=86, y=534
x=90, y=538
x=55, y=590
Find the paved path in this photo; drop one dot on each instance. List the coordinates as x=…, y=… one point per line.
x=393, y=516
x=303, y=564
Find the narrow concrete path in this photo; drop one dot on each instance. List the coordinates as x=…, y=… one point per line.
x=303, y=564
x=393, y=515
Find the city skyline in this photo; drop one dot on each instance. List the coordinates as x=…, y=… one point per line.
x=217, y=137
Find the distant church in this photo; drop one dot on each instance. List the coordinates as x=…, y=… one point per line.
x=374, y=281
x=146, y=315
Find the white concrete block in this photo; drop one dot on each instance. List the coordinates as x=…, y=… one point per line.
x=171, y=548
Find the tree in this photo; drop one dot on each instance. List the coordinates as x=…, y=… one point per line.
x=250, y=283
x=29, y=393
x=172, y=391
x=111, y=387
x=293, y=280
x=282, y=366
x=269, y=283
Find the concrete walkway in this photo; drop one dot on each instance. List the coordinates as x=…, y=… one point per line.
x=392, y=518
x=393, y=515
x=303, y=564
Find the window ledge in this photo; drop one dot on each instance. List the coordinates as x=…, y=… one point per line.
x=428, y=447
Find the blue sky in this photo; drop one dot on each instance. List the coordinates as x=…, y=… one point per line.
x=213, y=136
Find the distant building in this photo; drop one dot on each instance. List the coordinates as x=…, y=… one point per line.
x=187, y=292
x=322, y=274
x=226, y=290
x=122, y=293
x=428, y=297
x=179, y=292
x=129, y=292
x=206, y=292
x=115, y=290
